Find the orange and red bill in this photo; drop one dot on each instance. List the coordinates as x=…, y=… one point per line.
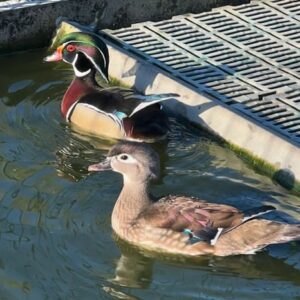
x=56, y=55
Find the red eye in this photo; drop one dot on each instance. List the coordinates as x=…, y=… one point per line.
x=71, y=48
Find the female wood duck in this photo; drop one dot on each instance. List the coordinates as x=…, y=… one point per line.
x=179, y=224
x=112, y=111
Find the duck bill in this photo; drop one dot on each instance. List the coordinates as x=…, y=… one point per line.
x=56, y=56
x=102, y=166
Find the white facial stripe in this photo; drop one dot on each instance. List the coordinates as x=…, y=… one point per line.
x=102, y=54
x=126, y=158
x=96, y=66
x=90, y=58
x=81, y=74
x=77, y=72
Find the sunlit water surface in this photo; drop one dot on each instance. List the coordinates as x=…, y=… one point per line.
x=55, y=235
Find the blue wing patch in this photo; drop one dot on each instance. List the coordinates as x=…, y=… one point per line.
x=208, y=235
x=120, y=115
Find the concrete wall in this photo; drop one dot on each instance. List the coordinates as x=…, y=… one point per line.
x=272, y=151
x=259, y=141
x=27, y=24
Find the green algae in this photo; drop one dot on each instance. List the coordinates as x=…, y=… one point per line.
x=284, y=177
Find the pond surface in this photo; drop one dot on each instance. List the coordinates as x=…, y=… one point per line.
x=55, y=235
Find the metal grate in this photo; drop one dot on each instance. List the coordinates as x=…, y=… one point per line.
x=287, y=7
x=280, y=25
x=248, y=57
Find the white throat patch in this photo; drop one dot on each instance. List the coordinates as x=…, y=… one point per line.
x=77, y=72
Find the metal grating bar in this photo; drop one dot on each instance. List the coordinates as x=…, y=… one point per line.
x=272, y=21
x=249, y=39
x=190, y=67
x=287, y=7
x=256, y=72
x=225, y=56
x=239, y=56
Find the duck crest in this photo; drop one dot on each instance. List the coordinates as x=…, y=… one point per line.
x=99, y=109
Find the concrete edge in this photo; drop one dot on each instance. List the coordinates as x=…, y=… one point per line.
x=20, y=4
x=266, y=151
x=29, y=24
x=264, y=146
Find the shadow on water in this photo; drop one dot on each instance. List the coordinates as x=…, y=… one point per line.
x=55, y=232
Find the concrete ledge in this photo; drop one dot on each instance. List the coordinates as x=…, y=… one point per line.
x=28, y=24
x=268, y=152
x=282, y=156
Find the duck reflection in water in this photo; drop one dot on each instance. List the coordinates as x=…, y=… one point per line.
x=134, y=269
x=77, y=152
x=81, y=149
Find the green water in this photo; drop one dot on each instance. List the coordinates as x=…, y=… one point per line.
x=55, y=234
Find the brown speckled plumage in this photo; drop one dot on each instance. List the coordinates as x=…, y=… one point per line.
x=180, y=224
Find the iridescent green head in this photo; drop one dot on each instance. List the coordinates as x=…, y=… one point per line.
x=85, y=51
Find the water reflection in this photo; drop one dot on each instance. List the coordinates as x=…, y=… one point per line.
x=78, y=152
x=55, y=233
x=133, y=269
x=136, y=269
x=81, y=150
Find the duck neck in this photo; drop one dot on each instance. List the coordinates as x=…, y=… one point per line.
x=79, y=87
x=133, y=199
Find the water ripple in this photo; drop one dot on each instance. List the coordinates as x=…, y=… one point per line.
x=55, y=217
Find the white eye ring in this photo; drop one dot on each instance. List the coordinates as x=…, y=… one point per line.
x=126, y=158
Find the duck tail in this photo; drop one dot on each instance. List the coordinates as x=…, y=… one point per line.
x=291, y=232
x=254, y=235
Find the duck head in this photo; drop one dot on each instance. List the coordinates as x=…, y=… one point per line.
x=85, y=52
x=137, y=162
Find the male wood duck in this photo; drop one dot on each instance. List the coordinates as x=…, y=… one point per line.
x=179, y=224
x=108, y=111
